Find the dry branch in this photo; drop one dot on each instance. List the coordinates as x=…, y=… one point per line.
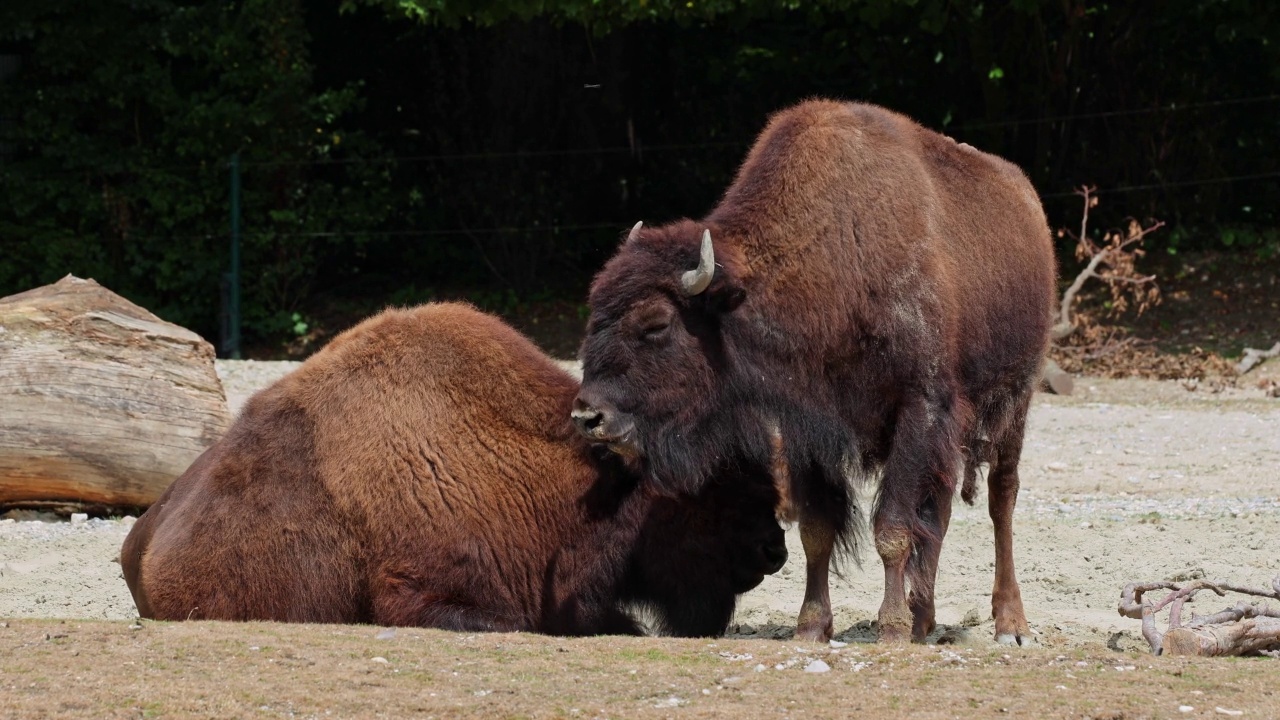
x=1113, y=263
x=1245, y=629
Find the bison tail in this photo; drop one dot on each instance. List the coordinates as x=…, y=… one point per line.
x=976, y=453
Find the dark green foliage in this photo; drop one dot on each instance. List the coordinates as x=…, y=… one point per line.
x=122, y=118
x=397, y=150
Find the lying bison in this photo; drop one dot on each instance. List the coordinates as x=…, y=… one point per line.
x=876, y=294
x=422, y=470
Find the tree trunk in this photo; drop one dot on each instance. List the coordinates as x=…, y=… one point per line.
x=102, y=404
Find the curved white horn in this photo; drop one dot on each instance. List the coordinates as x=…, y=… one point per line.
x=694, y=282
x=635, y=231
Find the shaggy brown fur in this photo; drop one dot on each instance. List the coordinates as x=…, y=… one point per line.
x=881, y=295
x=422, y=470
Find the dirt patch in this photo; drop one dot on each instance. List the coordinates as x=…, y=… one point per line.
x=98, y=669
x=61, y=570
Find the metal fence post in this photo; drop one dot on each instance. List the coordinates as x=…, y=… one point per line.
x=231, y=340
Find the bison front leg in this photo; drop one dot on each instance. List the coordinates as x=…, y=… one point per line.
x=818, y=536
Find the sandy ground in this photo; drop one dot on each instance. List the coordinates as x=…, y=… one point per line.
x=1127, y=480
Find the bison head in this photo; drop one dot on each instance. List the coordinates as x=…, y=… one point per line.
x=656, y=360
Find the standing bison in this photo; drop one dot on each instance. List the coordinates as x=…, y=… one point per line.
x=422, y=470
x=877, y=299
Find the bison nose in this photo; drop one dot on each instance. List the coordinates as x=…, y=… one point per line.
x=588, y=419
x=775, y=557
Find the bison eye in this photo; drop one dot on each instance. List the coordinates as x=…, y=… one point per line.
x=655, y=331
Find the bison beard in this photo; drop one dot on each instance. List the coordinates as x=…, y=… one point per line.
x=869, y=299
x=421, y=470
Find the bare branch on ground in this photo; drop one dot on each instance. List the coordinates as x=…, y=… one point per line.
x=1243, y=629
x=1253, y=358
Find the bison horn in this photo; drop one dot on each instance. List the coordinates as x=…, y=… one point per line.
x=635, y=231
x=694, y=282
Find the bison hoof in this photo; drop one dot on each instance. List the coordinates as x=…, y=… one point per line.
x=1019, y=639
x=813, y=634
x=894, y=635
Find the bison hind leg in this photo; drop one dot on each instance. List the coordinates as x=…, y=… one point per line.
x=1006, y=597
x=404, y=599
x=913, y=509
x=442, y=613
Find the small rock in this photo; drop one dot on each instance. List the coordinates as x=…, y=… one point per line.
x=379, y=659
x=760, y=668
x=79, y=518
x=1225, y=711
x=838, y=644
x=817, y=666
x=386, y=634
x=135, y=626
x=1185, y=708
x=128, y=520
x=1056, y=467
x=1086, y=525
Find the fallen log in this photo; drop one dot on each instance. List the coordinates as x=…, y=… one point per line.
x=102, y=404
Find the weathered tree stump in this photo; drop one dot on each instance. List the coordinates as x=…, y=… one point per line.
x=102, y=404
